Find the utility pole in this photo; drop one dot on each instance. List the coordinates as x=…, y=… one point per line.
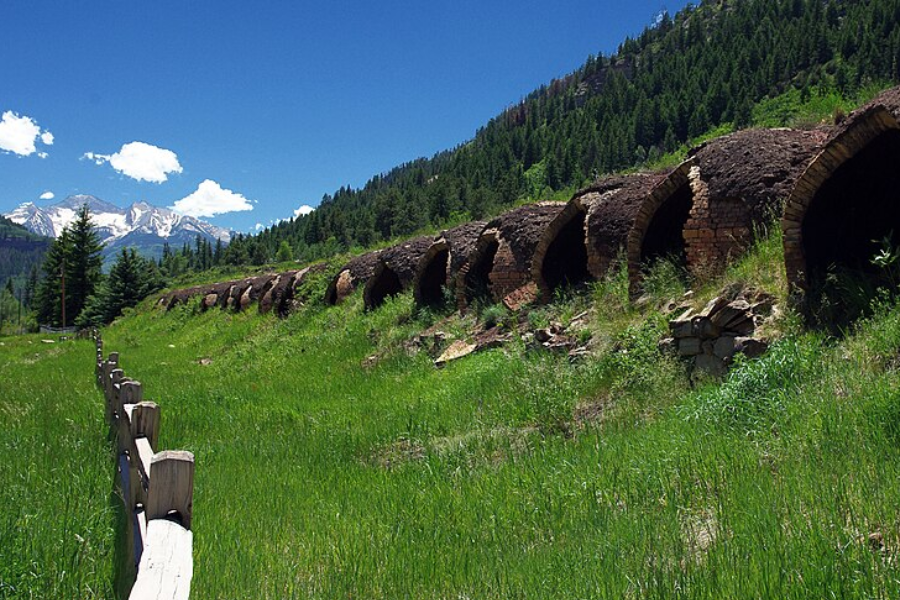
x=62, y=273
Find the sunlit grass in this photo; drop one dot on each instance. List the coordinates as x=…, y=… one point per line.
x=510, y=473
x=57, y=508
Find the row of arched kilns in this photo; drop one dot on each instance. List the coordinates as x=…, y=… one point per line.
x=276, y=292
x=835, y=191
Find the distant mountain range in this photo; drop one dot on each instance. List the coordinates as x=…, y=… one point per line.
x=141, y=226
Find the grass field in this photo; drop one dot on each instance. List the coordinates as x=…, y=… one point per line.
x=510, y=473
x=58, y=514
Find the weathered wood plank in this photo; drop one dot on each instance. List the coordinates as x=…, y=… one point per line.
x=145, y=458
x=166, y=566
x=133, y=541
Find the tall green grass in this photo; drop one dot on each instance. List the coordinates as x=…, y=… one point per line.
x=58, y=509
x=513, y=472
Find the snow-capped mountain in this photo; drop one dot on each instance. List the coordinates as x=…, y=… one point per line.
x=141, y=225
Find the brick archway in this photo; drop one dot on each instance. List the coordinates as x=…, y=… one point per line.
x=383, y=283
x=500, y=266
x=353, y=274
x=473, y=279
x=862, y=130
x=432, y=274
x=677, y=182
x=436, y=273
x=394, y=270
x=561, y=255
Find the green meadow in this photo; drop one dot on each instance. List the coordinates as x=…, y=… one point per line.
x=512, y=473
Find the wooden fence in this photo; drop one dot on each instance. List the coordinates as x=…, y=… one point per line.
x=157, y=488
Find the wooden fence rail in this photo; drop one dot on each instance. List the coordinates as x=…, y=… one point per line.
x=157, y=487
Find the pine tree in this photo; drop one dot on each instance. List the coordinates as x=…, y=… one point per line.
x=131, y=279
x=30, y=287
x=74, y=257
x=259, y=256
x=84, y=264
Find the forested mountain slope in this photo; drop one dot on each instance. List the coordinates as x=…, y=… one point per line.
x=20, y=250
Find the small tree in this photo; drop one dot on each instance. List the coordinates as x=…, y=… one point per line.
x=284, y=254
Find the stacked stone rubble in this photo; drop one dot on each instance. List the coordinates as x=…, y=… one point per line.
x=710, y=339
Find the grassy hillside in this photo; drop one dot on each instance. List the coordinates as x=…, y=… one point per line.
x=510, y=473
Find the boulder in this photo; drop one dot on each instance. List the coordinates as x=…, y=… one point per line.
x=689, y=346
x=456, y=350
x=725, y=347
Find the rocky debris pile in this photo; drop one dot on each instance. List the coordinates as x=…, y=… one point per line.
x=559, y=338
x=555, y=338
x=710, y=339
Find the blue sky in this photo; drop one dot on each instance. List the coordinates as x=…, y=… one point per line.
x=276, y=102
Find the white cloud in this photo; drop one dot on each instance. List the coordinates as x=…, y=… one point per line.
x=19, y=134
x=140, y=161
x=48, y=196
x=259, y=226
x=210, y=200
x=303, y=210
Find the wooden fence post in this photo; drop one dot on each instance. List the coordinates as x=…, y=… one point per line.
x=145, y=422
x=112, y=392
x=171, y=486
